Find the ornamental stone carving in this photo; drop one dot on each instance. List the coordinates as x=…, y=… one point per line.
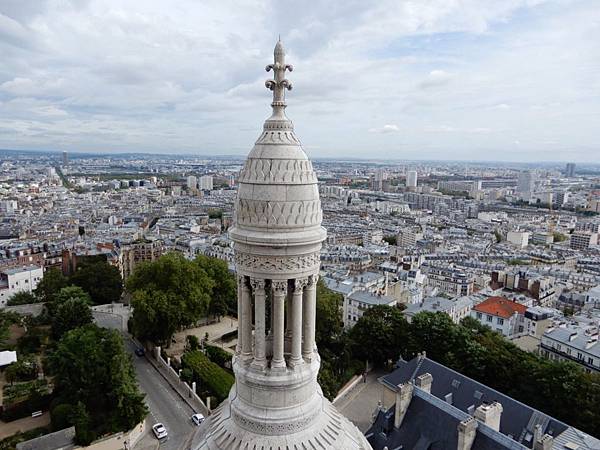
x=278, y=214
x=273, y=171
x=271, y=264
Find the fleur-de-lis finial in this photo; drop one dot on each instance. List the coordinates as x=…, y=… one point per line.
x=279, y=84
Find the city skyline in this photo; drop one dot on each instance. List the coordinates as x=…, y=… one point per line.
x=411, y=82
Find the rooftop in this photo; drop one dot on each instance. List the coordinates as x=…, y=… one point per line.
x=501, y=307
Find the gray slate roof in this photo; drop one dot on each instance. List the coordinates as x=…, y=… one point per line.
x=430, y=418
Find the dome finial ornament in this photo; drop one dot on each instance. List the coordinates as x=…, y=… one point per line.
x=279, y=83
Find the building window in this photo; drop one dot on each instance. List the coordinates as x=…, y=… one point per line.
x=590, y=360
x=489, y=318
x=479, y=315
x=500, y=321
x=568, y=351
x=579, y=356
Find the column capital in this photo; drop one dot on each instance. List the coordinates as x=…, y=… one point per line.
x=257, y=283
x=312, y=280
x=299, y=284
x=279, y=286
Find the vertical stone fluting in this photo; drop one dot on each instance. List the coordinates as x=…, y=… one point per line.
x=309, y=317
x=296, y=325
x=258, y=286
x=279, y=293
x=247, y=321
x=238, y=347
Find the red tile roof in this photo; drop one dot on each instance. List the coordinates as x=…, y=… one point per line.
x=500, y=306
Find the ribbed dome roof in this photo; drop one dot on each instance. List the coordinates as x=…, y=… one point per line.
x=278, y=195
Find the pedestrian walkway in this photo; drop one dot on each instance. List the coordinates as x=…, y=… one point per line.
x=358, y=405
x=27, y=423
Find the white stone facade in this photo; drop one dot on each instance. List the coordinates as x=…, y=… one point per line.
x=276, y=402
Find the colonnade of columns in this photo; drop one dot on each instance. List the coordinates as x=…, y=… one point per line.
x=292, y=324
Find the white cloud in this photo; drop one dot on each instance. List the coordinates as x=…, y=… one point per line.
x=389, y=128
x=189, y=77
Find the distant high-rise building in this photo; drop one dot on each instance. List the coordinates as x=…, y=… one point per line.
x=206, y=183
x=65, y=158
x=192, y=183
x=525, y=184
x=570, y=170
x=411, y=179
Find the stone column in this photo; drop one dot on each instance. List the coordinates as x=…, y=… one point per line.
x=296, y=324
x=238, y=347
x=279, y=293
x=246, y=321
x=258, y=286
x=288, y=314
x=309, y=317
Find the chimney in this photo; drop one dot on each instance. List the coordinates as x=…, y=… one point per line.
x=424, y=382
x=489, y=414
x=467, y=429
x=545, y=443
x=403, y=398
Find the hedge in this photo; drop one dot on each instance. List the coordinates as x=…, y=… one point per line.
x=218, y=356
x=210, y=376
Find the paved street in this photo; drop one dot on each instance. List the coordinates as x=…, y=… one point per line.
x=360, y=403
x=163, y=402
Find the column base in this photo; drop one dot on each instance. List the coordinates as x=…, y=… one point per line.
x=295, y=362
x=259, y=365
x=278, y=366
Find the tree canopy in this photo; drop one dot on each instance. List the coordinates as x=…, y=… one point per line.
x=72, y=313
x=223, y=298
x=52, y=282
x=100, y=279
x=168, y=294
x=22, y=298
x=94, y=374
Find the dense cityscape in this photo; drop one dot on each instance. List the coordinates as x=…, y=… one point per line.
x=513, y=247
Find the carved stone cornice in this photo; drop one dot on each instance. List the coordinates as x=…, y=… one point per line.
x=277, y=264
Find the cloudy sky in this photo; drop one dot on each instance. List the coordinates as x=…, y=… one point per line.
x=422, y=79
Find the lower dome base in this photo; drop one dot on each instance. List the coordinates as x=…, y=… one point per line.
x=329, y=430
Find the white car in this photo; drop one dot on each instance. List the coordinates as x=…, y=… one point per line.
x=159, y=431
x=197, y=419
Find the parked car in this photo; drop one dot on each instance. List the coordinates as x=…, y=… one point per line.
x=140, y=351
x=159, y=431
x=197, y=419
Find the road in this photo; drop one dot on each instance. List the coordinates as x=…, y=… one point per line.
x=164, y=403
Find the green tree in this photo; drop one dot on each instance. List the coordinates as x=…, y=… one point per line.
x=52, y=282
x=101, y=280
x=22, y=298
x=81, y=419
x=168, y=294
x=224, y=291
x=66, y=293
x=61, y=416
x=329, y=322
x=71, y=314
x=91, y=367
x=391, y=239
x=380, y=334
